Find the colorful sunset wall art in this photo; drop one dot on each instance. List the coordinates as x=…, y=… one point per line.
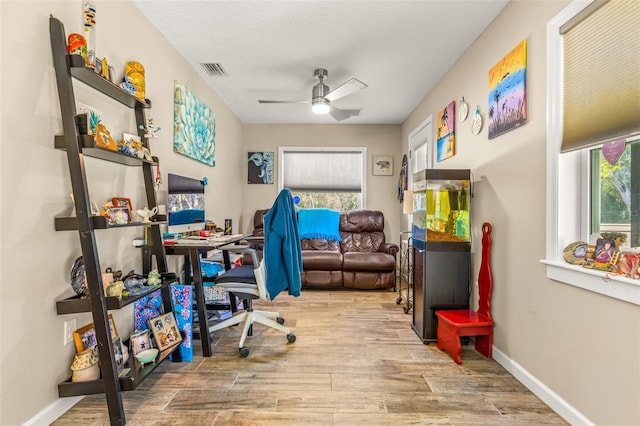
x=507, y=92
x=445, y=132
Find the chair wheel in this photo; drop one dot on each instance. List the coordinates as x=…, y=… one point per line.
x=280, y=320
x=244, y=352
x=291, y=337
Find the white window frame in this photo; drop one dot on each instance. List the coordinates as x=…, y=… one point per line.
x=362, y=150
x=568, y=185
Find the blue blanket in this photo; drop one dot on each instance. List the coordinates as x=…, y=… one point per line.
x=319, y=223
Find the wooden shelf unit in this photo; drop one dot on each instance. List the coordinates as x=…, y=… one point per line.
x=76, y=146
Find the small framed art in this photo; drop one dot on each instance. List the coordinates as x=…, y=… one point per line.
x=118, y=216
x=85, y=337
x=123, y=202
x=382, y=165
x=118, y=355
x=165, y=331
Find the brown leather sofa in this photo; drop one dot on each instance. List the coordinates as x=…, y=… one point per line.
x=362, y=260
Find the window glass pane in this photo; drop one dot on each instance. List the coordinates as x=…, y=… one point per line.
x=342, y=201
x=615, y=192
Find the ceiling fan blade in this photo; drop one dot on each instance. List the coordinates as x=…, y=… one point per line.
x=352, y=112
x=347, y=88
x=262, y=101
x=343, y=114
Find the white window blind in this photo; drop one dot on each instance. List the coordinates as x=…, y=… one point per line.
x=326, y=171
x=601, y=76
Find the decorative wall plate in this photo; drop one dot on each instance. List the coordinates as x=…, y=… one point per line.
x=463, y=109
x=477, y=122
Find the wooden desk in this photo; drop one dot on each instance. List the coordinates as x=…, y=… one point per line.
x=192, y=251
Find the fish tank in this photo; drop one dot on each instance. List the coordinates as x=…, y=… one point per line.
x=441, y=201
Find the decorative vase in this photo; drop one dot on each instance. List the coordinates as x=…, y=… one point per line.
x=77, y=45
x=134, y=74
x=85, y=366
x=146, y=214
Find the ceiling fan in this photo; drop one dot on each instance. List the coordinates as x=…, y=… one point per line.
x=321, y=97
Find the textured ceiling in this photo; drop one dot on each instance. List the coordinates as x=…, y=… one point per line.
x=269, y=49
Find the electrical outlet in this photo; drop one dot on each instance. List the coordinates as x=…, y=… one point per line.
x=69, y=327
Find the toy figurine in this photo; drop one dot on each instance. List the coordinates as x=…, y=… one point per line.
x=115, y=289
x=154, y=278
x=151, y=129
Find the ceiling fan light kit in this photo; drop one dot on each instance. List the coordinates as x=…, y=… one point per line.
x=320, y=107
x=321, y=96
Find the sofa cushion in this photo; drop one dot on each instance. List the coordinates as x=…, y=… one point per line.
x=354, y=261
x=319, y=244
x=321, y=260
x=362, y=231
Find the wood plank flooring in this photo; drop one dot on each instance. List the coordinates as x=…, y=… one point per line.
x=356, y=361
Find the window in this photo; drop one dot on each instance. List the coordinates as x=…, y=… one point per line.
x=614, y=191
x=324, y=177
x=586, y=109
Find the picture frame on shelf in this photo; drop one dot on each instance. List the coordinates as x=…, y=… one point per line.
x=118, y=355
x=124, y=202
x=85, y=337
x=382, y=165
x=118, y=216
x=165, y=331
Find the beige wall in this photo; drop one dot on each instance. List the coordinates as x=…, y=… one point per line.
x=35, y=183
x=381, y=191
x=583, y=346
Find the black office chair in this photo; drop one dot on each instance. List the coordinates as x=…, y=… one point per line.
x=250, y=282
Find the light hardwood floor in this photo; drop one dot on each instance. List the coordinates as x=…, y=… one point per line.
x=356, y=361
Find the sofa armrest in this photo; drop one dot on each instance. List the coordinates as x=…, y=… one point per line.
x=390, y=248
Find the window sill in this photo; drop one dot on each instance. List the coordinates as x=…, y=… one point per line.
x=615, y=286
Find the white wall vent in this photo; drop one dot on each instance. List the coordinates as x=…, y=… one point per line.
x=214, y=69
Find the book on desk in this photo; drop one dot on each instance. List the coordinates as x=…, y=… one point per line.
x=198, y=240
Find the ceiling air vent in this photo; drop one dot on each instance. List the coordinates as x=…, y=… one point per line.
x=214, y=69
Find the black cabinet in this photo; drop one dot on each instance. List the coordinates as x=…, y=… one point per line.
x=441, y=276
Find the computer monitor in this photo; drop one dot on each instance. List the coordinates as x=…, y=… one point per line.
x=185, y=204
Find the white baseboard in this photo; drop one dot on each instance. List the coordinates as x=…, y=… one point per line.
x=53, y=411
x=542, y=391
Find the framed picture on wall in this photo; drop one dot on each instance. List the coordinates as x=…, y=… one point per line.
x=382, y=165
x=260, y=168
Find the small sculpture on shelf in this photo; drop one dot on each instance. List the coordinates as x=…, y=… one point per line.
x=146, y=214
x=79, y=278
x=154, y=278
x=77, y=45
x=151, y=129
x=134, y=74
x=128, y=87
x=116, y=289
